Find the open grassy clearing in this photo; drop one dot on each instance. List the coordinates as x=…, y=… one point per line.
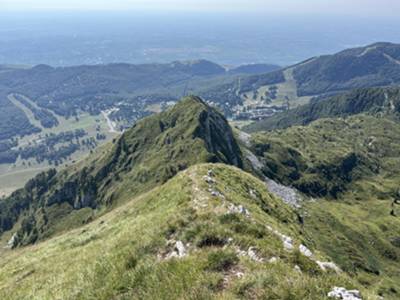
x=14, y=176
x=26, y=110
x=286, y=93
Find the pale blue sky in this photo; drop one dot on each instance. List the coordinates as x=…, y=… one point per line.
x=356, y=7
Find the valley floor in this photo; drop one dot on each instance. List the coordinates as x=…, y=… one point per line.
x=14, y=176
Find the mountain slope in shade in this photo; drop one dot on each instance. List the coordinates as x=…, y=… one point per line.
x=373, y=65
x=254, y=69
x=376, y=101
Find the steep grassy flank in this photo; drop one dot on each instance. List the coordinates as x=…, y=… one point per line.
x=354, y=165
x=123, y=254
x=360, y=235
x=147, y=155
x=322, y=159
x=376, y=101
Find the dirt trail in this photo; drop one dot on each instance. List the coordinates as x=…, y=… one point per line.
x=200, y=197
x=393, y=60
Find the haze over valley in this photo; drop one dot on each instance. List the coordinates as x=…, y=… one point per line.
x=228, y=38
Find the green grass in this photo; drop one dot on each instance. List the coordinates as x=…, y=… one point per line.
x=351, y=221
x=151, y=152
x=119, y=249
x=118, y=255
x=324, y=158
x=358, y=238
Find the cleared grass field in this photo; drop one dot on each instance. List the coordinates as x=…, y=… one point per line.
x=14, y=176
x=286, y=93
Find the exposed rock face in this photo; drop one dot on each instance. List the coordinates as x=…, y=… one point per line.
x=325, y=266
x=342, y=293
x=209, y=179
x=12, y=242
x=305, y=251
x=289, y=195
x=286, y=240
x=179, y=251
x=251, y=253
x=240, y=209
x=214, y=129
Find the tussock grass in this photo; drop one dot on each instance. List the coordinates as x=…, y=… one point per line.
x=119, y=256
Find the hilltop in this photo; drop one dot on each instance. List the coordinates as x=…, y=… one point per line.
x=181, y=202
x=151, y=152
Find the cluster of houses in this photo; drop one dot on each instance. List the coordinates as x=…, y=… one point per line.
x=258, y=112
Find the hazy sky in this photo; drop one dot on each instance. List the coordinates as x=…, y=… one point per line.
x=356, y=7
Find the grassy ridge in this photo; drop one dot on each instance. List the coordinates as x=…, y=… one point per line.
x=147, y=155
x=229, y=223
x=352, y=166
x=121, y=255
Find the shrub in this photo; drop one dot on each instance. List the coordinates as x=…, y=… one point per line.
x=221, y=260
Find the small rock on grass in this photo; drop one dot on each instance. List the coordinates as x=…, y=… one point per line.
x=342, y=293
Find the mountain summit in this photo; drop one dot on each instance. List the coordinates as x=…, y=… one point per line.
x=148, y=154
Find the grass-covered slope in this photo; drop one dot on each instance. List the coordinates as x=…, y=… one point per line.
x=378, y=101
x=352, y=168
x=144, y=218
x=323, y=158
x=147, y=155
x=127, y=253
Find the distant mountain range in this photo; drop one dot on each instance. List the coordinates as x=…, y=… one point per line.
x=104, y=100
x=135, y=87
x=373, y=65
x=94, y=88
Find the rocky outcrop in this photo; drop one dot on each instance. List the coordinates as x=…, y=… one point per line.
x=251, y=253
x=326, y=266
x=238, y=209
x=305, y=251
x=289, y=195
x=342, y=293
x=13, y=241
x=179, y=250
